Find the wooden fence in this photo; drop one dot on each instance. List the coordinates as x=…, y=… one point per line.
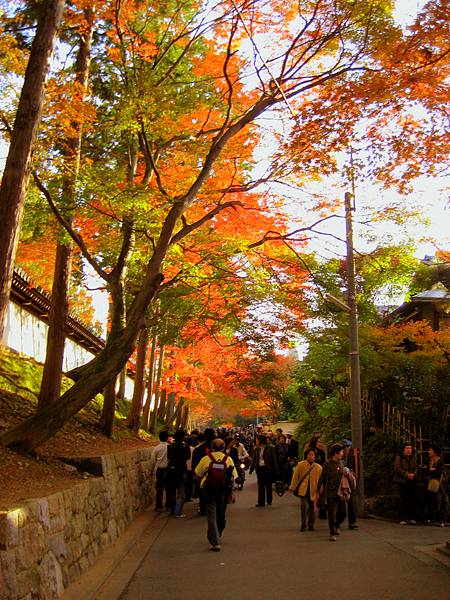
x=398, y=427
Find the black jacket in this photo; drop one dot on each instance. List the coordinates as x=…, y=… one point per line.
x=199, y=452
x=402, y=466
x=330, y=478
x=270, y=460
x=293, y=449
x=177, y=455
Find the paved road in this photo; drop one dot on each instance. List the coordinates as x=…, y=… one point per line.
x=265, y=557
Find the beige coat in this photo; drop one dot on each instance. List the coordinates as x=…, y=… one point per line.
x=300, y=470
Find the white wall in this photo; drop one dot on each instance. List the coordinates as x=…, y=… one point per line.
x=27, y=334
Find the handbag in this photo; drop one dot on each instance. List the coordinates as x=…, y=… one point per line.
x=434, y=485
x=279, y=488
x=297, y=487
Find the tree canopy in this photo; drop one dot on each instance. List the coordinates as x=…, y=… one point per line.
x=170, y=200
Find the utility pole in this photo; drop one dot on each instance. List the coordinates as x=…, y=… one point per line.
x=355, y=383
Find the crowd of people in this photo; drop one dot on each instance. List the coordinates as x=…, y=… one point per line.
x=209, y=465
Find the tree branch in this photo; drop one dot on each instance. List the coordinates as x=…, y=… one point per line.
x=73, y=234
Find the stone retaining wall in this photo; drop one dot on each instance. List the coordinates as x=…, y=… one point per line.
x=47, y=543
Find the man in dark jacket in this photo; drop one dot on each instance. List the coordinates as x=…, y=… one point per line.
x=405, y=476
x=178, y=454
x=265, y=464
x=330, y=480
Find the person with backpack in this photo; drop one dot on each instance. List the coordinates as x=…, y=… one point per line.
x=216, y=472
x=203, y=449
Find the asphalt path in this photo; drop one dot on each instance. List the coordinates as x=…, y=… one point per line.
x=264, y=556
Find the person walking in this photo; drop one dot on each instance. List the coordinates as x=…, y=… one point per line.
x=204, y=448
x=158, y=467
x=346, y=507
x=329, y=484
x=405, y=476
x=304, y=484
x=265, y=464
x=292, y=453
x=315, y=444
x=282, y=452
x=433, y=490
x=216, y=472
x=178, y=454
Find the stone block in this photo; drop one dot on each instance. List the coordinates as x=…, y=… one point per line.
x=68, y=530
x=32, y=546
x=84, y=563
x=67, y=498
x=79, y=523
x=104, y=540
x=74, y=572
x=51, y=577
x=9, y=529
x=84, y=541
x=57, y=545
x=29, y=583
x=8, y=579
x=38, y=511
x=55, y=504
x=80, y=494
x=112, y=530
x=96, y=526
x=74, y=551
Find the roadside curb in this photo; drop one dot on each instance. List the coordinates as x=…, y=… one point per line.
x=113, y=569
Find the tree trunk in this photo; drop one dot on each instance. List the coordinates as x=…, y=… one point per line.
x=170, y=405
x=177, y=417
x=150, y=381
x=139, y=381
x=117, y=316
x=157, y=409
x=109, y=405
x=16, y=175
x=162, y=405
x=153, y=426
x=122, y=384
x=56, y=337
x=184, y=416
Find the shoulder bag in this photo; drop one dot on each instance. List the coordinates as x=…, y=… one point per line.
x=297, y=487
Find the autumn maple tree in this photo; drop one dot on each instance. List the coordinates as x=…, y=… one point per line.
x=179, y=92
